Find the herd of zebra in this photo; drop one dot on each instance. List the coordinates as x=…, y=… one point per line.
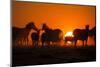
x=49, y=36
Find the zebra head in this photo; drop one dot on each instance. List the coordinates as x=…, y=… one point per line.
x=31, y=25
x=44, y=26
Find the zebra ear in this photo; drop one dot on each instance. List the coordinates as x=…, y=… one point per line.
x=30, y=25
x=44, y=26
x=87, y=26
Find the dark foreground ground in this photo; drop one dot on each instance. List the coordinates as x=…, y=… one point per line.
x=52, y=55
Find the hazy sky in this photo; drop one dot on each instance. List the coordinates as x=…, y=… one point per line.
x=66, y=17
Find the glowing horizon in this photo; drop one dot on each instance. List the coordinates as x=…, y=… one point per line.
x=57, y=16
x=69, y=34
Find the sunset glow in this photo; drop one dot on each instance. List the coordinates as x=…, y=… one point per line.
x=69, y=42
x=46, y=33
x=65, y=17
x=69, y=34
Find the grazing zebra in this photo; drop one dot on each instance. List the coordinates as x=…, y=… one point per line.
x=81, y=34
x=21, y=34
x=50, y=35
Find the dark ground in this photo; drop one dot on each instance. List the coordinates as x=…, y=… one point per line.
x=52, y=55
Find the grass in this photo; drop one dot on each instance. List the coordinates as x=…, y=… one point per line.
x=52, y=55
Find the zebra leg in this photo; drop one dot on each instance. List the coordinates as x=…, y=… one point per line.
x=36, y=43
x=27, y=41
x=95, y=39
x=75, y=42
x=32, y=43
x=42, y=43
x=65, y=42
x=72, y=42
x=86, y=42
x=83, y=42
x=48, y=43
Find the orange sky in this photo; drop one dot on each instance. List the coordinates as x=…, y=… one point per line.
x=63, y=16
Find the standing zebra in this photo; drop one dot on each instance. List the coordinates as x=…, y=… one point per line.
x=21, y=34
x=51, y=35
x=93, y=33
x=81, y=34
